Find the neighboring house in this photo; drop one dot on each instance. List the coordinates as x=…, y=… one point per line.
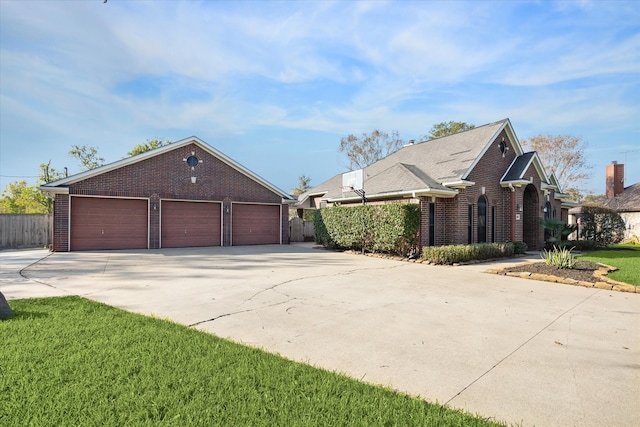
x=626, y=201
x=473, y=186
x=179, y=195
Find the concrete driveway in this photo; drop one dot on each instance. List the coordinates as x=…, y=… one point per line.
x=511, y=349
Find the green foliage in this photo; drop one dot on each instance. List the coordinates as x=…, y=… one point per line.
x=390, y=228
x=73, y=362
x=87, y=156
x=451, y=254
x=19, y=198
x=447, y=128
x=601, y=224
x=151, y=144
x=519, y=248
x=559, y=257
x=369, y=148
x=557, y=229
x=625, y=257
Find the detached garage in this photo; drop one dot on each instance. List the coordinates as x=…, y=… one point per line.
x=180, y=195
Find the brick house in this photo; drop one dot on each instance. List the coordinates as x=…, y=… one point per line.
x=473, y=186
x=179, y=195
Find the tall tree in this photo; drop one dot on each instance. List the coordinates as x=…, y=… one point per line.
x=304, y=184
x=87, y=156
x=563, y=155
x=151, y=144
x=369, y=148
x=447, y=128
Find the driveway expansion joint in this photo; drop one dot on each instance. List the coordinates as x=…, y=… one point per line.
x=499, y=362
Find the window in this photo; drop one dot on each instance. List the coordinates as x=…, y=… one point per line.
x=482, y=219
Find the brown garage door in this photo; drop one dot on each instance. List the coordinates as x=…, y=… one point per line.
x=255, y=224
x=98, y=223
x=186, y=224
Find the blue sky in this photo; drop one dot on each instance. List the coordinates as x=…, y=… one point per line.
x=275, y=85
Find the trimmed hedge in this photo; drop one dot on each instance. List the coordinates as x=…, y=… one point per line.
x=452, y=254
x=391, y=228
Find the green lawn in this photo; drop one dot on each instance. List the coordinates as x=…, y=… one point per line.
x=69, y=361
x=627, y=259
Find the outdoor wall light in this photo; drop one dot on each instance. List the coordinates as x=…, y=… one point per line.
x=155, y=207
x=519, y=208
x=544, y=209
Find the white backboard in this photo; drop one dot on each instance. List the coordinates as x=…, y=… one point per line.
x=352, y=180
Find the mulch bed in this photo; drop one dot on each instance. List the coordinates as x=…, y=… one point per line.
x=583, y=270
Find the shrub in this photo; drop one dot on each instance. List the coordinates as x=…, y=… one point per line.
x=451, y=254
x=519, y=248
x=391, y=228
x=601, y=224
x=559, y=257
x=556, y=230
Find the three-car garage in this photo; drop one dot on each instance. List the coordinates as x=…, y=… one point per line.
x=99, y=223
x=184, y=194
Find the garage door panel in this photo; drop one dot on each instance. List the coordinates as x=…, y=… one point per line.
x=255, y=224
x=190, y=224
x=102, y=223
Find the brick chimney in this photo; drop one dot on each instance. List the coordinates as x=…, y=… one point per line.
x=615, y=180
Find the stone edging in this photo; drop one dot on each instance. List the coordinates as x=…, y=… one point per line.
x=603, y=283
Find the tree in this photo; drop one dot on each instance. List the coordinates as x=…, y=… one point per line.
x=19, y=198
x=88, y=156
x=447, y=128
x=303, y=185
x=369, y=148
x=151, y=144
x=564, y=156
x=601, y=224
x=48, y=174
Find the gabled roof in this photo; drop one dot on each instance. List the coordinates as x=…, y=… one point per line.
x=435, y=167
x=627, y=201
x=518, y=168
x=62, y=186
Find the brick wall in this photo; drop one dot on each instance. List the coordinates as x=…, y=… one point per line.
x=167, y=176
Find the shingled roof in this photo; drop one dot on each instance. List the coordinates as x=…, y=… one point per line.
x=435, y=167
x=627, y=201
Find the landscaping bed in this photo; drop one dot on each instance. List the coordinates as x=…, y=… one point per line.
x=585, y=273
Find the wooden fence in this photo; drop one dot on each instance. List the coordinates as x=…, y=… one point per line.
x=300, y=231
x=25, y=230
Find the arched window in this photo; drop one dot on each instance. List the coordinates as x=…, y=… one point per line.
x=482, y=219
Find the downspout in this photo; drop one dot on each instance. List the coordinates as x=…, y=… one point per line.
x=513, y=213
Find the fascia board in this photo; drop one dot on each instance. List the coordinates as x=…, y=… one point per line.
x=169, y=147
x=54, y=190
x=459, y=184
x=412, y=193
x=515, y=183
x=506, y=126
